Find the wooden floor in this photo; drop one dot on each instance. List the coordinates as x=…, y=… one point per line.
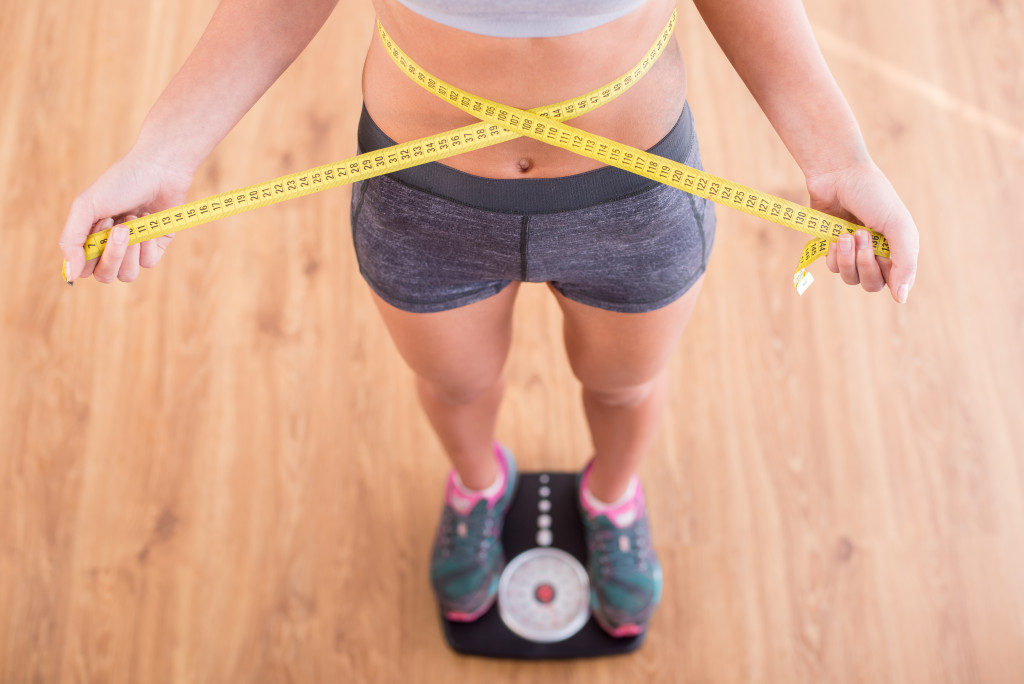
x=219, y=473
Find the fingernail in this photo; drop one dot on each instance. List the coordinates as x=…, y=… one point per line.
x=901, y=294
x=846, y=243
x=862, y=239
x=120, y=235
x=67, y=273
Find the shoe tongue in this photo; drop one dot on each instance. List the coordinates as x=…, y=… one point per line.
x=460, y=502
x=463, y=500
x=622, y=517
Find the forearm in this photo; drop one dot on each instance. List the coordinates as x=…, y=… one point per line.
x=772, y=48
x=246, y=46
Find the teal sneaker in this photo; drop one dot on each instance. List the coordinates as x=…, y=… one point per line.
x=467, y=559
x=625, y=576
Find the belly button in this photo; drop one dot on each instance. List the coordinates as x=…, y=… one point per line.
x=525, y=164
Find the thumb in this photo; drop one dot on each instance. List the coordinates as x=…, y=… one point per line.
x=72, y=240
x=901, y=233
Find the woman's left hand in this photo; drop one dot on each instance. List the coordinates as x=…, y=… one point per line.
x=863, y=194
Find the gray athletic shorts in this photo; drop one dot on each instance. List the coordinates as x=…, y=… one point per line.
x=433, y=238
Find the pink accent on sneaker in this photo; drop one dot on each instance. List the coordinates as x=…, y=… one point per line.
x=620, y=631
x=622, y=515
x=464, y=504
x=457, y=616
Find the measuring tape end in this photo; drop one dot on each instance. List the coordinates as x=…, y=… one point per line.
x=802, y=280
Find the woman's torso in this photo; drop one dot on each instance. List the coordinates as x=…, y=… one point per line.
x=525, y=73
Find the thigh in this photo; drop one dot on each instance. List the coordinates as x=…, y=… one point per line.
x=632, y=255
x=424, y=253
x=462, y=349
x=610, y=351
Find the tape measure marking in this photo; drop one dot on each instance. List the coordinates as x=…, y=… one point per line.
x=370, y=164
x=501, y=123
x=824, y=227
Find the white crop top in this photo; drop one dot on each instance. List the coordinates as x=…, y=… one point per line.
x=525, y=18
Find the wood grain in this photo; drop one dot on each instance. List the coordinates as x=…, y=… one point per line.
x=219, y=473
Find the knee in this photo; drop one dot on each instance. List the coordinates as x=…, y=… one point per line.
x=625, y=395
x=459, y=391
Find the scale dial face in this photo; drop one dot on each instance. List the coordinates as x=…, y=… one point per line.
x=544, y=595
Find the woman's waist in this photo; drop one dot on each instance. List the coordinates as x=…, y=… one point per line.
x=527, y=73
x=537, y=195
x=637, y=118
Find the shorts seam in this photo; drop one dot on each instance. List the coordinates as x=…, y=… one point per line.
x=359, y=205
x=699, y=218
x=524, y=248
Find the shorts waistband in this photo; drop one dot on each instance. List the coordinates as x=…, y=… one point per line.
x=530, y=195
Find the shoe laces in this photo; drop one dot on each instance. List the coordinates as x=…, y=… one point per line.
x=468, y=535
x=620, y=551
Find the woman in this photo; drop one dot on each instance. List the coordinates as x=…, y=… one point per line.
x=444, y=246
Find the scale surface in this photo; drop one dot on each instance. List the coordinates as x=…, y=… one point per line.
x=543, y=606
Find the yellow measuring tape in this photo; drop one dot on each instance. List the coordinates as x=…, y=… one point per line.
x=501, y=123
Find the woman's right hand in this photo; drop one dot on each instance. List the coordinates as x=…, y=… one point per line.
x=134, y=186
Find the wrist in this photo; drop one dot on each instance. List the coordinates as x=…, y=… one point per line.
x=831, y=165
x=830, y=150
x=170, y=150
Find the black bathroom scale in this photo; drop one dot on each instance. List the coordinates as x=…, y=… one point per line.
x=543, y=606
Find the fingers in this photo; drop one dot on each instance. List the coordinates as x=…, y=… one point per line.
x=853, y=258
x=153, y=249
x=130, y=186
x=109, y=264
x=130, y=265
x=90, y=265
x=129, y=269
x=861, y=190
x=120, y=260
x=867, y=266
x=846, y=259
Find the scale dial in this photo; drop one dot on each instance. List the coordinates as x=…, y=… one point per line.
x=544, y=595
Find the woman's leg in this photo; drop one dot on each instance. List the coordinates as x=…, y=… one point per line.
x=458, y=357
x=621, y=361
